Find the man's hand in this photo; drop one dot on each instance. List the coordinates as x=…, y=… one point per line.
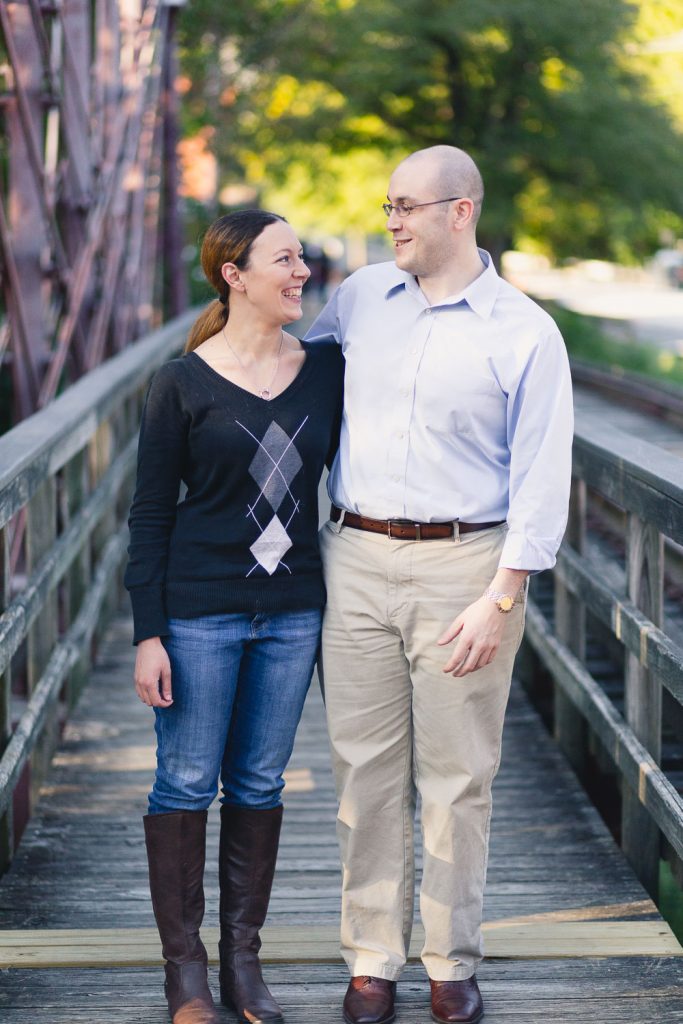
x=153, y=674
x=479, y=630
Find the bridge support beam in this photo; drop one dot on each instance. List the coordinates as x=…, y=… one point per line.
x=570, y=627
x=643, y=695
x=6, y=824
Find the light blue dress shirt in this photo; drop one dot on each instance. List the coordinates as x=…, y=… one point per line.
x=457, y=410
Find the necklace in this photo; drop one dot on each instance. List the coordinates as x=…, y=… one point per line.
x=265, y=393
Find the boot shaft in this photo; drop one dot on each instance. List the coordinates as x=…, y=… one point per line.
x=248, y=853
x=176, y=852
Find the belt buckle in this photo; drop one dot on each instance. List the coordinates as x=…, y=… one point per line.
x=402, y=522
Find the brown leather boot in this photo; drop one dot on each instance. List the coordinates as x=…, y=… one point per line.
x=248, y=851
x=456, y=1002
x=176, y=845
x=369, y=1000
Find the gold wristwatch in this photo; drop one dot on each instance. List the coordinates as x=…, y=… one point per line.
x=504, y=602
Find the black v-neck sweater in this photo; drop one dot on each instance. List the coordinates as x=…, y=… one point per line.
x=245, y=536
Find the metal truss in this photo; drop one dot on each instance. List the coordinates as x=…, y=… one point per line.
x=89, y=234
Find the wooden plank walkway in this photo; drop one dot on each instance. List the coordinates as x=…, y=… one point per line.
x=571, y=935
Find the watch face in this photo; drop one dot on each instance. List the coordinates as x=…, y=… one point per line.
x=506, y=603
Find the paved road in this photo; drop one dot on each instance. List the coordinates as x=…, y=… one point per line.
x=644, y=310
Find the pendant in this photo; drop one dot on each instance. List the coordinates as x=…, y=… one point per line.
x=266, y=394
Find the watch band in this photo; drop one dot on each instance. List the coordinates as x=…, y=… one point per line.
x=504, y=602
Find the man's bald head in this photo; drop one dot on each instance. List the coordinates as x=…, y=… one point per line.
x=451, y=172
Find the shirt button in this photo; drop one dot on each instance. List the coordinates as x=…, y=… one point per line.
x=396, y=479
x=404, y=392
x=400, y=434
x=413, y=351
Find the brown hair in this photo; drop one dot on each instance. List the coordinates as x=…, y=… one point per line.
x=228, y=240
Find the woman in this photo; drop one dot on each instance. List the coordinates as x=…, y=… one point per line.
x=227, y=593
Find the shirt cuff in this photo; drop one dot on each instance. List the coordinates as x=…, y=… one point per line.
x=534, y=554
x=149, y=614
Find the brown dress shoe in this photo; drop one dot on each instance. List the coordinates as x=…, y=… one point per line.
x=456, y=1002
x=369, y=1001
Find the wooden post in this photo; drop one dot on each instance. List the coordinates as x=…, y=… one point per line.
x=570, y=627
x=41, y=533
x=6, y=827
x=643, y=695
x=101, y=448
x=78, y=578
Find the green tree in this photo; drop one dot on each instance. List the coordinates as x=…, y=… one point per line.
x=579, y=149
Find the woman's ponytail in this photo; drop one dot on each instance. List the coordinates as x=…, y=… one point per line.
x=209, y=322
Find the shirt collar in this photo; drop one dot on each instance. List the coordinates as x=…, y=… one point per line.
x=480, y=295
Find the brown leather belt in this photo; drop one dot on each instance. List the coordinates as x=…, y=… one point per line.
x=401, y=529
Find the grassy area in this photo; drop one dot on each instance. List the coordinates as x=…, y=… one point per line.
x=670, y=900
x=587, y=339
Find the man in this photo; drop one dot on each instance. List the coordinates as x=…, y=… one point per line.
x=451, y=485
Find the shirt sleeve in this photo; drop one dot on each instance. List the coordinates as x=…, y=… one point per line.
x=161, y=457
x=338, y=394
x=327, y=325
x=540, y=432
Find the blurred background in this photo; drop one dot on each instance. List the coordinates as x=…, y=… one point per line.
x=574, y=113
x=128, y=125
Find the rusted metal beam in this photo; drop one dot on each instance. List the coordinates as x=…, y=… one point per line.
x=112, y=176
x=88, y=106
x=131, y=321
x=175, y=296
x=24, y=235
x=25, y=374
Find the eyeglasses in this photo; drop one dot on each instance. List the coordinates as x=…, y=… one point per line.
x=404, y=209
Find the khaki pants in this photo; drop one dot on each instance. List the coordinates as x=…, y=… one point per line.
x=398, y=726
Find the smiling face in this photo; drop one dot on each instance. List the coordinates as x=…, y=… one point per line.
x=424, y=241
x=275, y=274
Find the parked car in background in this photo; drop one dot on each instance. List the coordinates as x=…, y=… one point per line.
x=668, y=264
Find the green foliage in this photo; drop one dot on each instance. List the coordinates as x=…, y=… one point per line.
x=670, y=900
x=562, y=104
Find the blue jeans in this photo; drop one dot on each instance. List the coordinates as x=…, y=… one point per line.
x=239, y=684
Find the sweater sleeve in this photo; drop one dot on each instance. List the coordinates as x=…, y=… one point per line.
x=161, y=456
x=338, y=365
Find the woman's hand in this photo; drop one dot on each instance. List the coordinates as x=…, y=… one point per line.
x=153, y=674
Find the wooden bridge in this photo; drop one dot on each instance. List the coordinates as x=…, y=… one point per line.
x=90, y=248
x=572, y=931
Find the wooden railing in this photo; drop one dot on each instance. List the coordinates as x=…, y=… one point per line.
x=626, y=520
x=66, y=477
